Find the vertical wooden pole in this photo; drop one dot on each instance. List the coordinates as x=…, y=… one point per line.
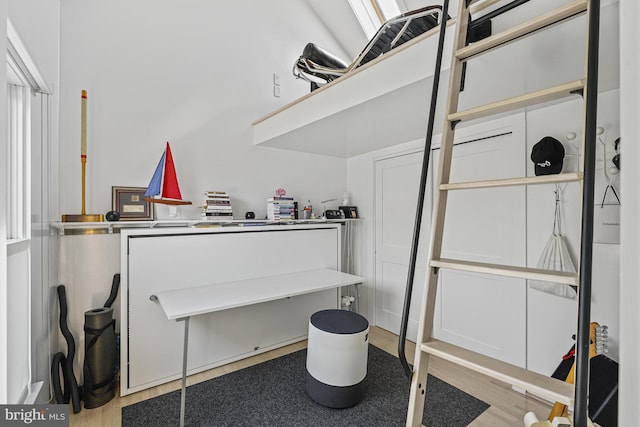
x=83, y=147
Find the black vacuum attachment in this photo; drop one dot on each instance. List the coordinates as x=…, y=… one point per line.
x=60, y=362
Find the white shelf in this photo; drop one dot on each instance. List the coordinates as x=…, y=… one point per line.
x=106, y=227
x=361, y=111
x=73, y=228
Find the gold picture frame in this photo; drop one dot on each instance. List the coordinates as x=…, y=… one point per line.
x=130, y=204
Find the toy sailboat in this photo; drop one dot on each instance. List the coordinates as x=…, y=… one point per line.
x=164, y=183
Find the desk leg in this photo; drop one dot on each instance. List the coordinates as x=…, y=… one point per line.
x=183, y=394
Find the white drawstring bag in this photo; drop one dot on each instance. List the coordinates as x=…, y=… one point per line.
x=556, y=257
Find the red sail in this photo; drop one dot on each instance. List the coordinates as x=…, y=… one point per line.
x=170, y=188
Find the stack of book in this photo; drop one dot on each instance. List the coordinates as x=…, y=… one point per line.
x=217, y=205
x=280, y=208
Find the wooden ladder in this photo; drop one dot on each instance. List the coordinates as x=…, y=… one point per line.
x=540, y=385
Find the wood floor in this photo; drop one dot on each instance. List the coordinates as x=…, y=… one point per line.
x=507, y=406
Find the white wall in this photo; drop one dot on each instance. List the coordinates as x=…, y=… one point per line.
x=37, y=24
x=195, y=73
x=629, y=411
x=551, y=319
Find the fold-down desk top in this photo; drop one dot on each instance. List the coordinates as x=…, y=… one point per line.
x=182, y=303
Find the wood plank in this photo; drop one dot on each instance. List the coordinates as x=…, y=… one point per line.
x=528, y=27
x=532, y=382
x=508, y=271
x=479, y=5
x=509, y=182
x=533, y=98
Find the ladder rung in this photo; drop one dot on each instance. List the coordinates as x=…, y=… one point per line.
x=508, y=271
x=533, y=98
x=540, y=385
x=542, y=21
x=476, y=6
x=529, y=180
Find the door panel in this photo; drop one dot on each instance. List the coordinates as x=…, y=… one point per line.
x=397, y=184
x=485, y=313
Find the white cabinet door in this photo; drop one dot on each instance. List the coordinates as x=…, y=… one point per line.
x=397, y=182
x=152, y=263
x=486, y=313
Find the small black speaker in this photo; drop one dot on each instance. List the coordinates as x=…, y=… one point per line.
x=112, y=216
x=249, y=215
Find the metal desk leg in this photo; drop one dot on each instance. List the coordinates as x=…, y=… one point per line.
x=183, y=394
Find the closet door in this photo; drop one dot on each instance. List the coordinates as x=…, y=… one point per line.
x=397, y=183
x=486, y=313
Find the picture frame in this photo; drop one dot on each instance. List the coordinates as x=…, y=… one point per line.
x=130, y=204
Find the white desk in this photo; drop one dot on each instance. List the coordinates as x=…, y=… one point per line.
x=162, y=259
x=182, y=304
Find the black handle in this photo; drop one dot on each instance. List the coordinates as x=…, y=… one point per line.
x=421, y=192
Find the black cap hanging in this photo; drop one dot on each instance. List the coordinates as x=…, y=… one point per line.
x=547, y=156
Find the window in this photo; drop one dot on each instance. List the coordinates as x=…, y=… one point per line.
x=24, y=80
x=388, y=8
x=373, y=13
x=18, y=125
x=28, y=278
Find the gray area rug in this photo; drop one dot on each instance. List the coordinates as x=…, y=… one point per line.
x=273, y=394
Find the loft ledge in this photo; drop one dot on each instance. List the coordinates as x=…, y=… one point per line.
x=348, y=116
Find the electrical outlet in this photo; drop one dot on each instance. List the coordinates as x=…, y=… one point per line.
x=276, y=91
